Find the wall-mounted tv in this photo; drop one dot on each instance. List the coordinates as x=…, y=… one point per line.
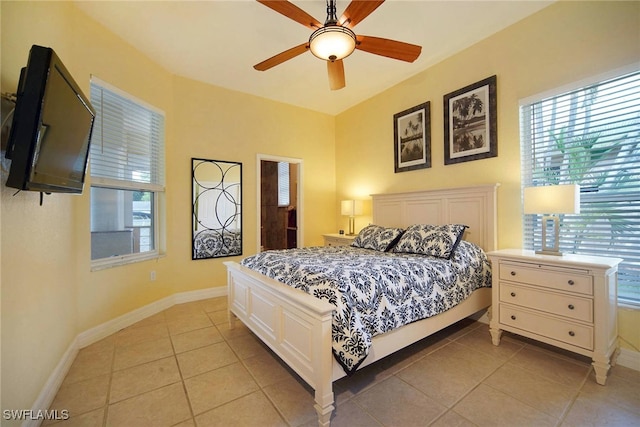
x=49, y=139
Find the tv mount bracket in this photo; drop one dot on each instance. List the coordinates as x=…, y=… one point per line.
x=11, y=97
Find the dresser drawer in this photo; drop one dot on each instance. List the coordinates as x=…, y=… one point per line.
x=332, y=242
x=337, y=241
x=570, y=306
x=538, y=323
x=542, y=276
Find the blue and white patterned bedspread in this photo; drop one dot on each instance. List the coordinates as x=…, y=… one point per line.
x=375, y=292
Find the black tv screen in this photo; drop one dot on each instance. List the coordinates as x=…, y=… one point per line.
x=49, y=139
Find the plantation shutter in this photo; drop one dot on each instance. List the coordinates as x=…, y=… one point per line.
x=127, y=146
x=591, y=137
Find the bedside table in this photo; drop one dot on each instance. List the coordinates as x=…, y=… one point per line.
x=567, y=301
x=338, y=239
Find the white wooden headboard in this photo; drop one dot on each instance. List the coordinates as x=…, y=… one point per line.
x=472, y=206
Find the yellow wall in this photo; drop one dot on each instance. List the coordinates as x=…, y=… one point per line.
x=49, y=294
x=561, y=44
x=216, y=123
x=629, y=328
x=39, y=299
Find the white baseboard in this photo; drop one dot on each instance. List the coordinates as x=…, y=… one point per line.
x=629, y=359
x=83, y=339
x=99, y=332
x=112, y=326
x=48, y=393
x=481, y=316
x=183, y=297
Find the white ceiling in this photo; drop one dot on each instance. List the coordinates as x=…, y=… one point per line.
x=218, y=42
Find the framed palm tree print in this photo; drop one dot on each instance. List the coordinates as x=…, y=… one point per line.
x=470, y=123
x=412, y=138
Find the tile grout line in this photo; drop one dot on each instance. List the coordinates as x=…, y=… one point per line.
x=559, y=419
x=108, y=397
x=367, y=412
x=184, y=386
x=448, y=340
x=260, y=387
x=480, y=382
x=573, y=400
x=113, y=370
x=240, y=361
x=174, y=355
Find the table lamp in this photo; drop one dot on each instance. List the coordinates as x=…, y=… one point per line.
x=550, y=201
x=351, y=208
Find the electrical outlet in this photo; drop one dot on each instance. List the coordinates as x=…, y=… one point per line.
x=152, y=275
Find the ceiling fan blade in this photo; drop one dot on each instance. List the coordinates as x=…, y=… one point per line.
x=335, y=70
x=390, y=48
x=357, y=11
x=292, y=11
x=281, y=57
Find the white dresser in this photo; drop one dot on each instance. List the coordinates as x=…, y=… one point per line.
x=567, y=301
x=338, y=239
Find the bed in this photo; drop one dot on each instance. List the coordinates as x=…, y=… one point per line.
x=298, y=326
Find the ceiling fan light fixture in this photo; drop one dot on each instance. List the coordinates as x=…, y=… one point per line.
x=332, y=42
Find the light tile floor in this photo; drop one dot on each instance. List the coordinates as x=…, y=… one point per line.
x=185, y=367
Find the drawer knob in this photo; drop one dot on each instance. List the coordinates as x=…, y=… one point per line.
x=513, y=317
x=571, y=307
x=513, y=273
x=571, y=333
x=513, y=294
x=571, y=282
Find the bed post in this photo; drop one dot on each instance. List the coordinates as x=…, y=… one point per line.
x=323, y=372
x=230, y=297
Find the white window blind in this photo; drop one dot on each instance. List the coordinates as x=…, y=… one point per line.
x=127, y=177
x=127, y=146
x=283, y=184
x=591, y=137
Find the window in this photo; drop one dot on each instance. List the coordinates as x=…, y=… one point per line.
x=283, y=184
x=127, y=177
x=591, y=137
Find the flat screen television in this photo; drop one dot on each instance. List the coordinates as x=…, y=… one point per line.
x=49, y=139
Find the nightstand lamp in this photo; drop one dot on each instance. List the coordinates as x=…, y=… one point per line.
x=552, y=200
x=351, y=208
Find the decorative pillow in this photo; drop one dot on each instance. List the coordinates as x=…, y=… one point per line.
x=435, y=240
x=377, y=238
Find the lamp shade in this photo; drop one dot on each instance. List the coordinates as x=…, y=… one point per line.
x=552, y=199
x=332, y=42
x=351, y=207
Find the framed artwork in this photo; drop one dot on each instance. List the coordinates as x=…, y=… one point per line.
x=216, y=208
x=470, y=123
x=412, y=138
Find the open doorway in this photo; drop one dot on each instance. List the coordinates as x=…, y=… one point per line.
x=280, y=203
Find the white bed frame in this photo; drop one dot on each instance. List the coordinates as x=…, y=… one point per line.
x=297, y=326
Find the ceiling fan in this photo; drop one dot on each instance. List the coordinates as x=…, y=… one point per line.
x=335, y=40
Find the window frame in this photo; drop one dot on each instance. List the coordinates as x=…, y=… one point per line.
x=526, y=144
x=113, y=261
x=158, y=191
